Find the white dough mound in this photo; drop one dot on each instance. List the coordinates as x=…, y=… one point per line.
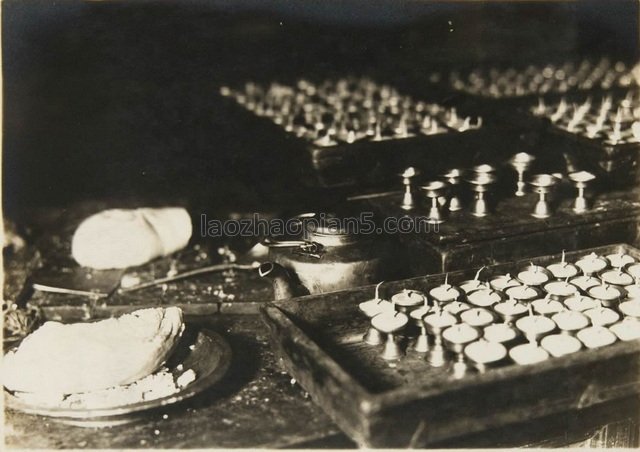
x=120, y=238
x=82, y=357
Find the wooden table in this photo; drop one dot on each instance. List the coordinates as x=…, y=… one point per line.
x=256, y=405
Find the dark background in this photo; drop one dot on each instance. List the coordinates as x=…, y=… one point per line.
x=104, y=100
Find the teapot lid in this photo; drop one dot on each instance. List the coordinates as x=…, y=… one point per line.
x=330, y=229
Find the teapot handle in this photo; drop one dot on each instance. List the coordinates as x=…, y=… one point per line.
x=271, y=243
x=306, y=248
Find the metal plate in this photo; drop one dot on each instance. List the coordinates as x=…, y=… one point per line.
x=202, y=350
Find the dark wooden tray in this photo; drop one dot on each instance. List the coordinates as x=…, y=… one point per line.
x=415, y=405
x=511, y=232
x=364, y=163
x=616, y=165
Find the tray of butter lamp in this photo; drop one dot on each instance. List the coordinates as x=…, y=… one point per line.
x=423, y=360
x=601, y=130
x=583, y=107
x=351, y=131
x=493, y=213
x=499, y=91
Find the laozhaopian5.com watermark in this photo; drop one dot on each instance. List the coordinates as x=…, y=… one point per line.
x=362, y=224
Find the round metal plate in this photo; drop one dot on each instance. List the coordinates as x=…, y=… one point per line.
x=202, y=350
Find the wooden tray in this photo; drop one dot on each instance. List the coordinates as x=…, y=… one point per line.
x=616, y=165
x=511, y=233
x=413, y=404
x=364, y=163
x=512, y=215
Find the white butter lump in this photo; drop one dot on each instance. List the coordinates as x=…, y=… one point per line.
x=121, y=238
x=80, y=357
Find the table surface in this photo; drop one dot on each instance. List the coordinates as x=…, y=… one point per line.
x=256, y=405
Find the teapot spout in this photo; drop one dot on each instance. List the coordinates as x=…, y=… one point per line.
x=283, y=286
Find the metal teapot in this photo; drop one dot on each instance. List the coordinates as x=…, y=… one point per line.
x=327, y=258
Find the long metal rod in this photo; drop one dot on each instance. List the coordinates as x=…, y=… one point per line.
x=190, y=273
x=374, y=195
x=53, y=289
